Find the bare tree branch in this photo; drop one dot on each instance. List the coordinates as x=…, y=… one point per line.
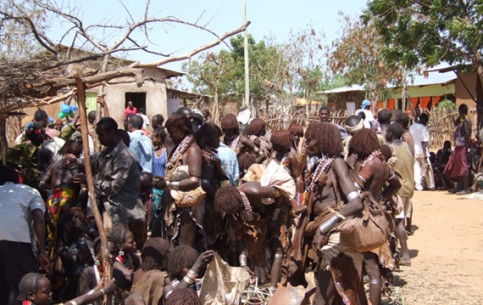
x=194, y=52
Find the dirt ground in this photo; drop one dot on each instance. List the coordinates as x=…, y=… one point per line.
x=446, y=251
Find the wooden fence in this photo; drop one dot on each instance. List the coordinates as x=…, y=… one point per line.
x=441, y=126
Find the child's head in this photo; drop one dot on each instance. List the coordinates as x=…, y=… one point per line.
x=447, y=144
x=111, y=247
x=123, y=238
x=180, y=260
x=35, y=287
x=386, y=151
x=146, y=185
x=159, y=137
x=154, y=254
x=185, y=296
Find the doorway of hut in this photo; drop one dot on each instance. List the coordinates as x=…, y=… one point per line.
x=138, y=100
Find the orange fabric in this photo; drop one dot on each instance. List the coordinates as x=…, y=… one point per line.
x=436, y=100
x=414, y=101
x=425, y=101
x=391, y=103
x=380, y=105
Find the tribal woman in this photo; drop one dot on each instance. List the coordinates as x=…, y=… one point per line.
x=183, y=173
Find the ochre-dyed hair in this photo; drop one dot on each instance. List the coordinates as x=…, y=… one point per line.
x=363, y=143
x=183, y=296
x=228, y=200
x=327, y=137
x=179, y=122
x=246, y=160
x=28, y=283
x=229, y=121
x=179, y=258
x=154, y=252
x=255, y=128
x=296, y=130
x=386, y=151
x=281, y=138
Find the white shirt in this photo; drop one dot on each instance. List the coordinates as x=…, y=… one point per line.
x=145, y=119
x=420, y=134
x=17, y=201
x=369, y=120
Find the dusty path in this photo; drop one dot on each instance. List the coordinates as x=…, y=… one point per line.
x=447, y=251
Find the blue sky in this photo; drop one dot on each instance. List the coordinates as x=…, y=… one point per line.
x=268, y=18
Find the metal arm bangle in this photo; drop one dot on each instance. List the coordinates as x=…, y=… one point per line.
x=352, y=195
x=243, y=260
x=173, y=185
x=330, y=223
x=188, y=280
x=192, y=275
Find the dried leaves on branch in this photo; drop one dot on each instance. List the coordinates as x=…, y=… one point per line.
x=36, y=69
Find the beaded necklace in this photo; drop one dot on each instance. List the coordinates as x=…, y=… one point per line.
x=248, y=207
x=322, y=168
x=375, y=154
x=180, y=150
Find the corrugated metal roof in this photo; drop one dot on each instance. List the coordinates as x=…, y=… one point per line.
x=432, y=78
x=344, y=89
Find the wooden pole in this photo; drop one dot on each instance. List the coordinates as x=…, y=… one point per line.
x=81, y=101
x=3, y=138
x=246, y=59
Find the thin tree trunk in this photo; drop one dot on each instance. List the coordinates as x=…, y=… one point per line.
x=81, y=100
x=3, y=138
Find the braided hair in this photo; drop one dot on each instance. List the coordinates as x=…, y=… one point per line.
x=183, y=296
x=154, y=252
x=228, y=200
x=363, y=143
x=29, y=283
x=327, y=137
x=179, y=258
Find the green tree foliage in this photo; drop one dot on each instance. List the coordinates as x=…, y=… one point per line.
x=429, y=31
x=357, y=56
x=446, y=104
x=222, y=73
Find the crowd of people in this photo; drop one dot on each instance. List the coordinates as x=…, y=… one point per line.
x=175, y=194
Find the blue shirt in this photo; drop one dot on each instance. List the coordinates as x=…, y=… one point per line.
x=142, y=147
x=159, y=164
x=229, y=163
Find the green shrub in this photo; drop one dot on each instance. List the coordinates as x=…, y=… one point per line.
x=446, y=104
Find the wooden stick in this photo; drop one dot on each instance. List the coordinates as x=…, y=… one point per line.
x=81, y=101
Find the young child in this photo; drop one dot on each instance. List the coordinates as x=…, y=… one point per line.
x=146, y=197
x=63, y=193
x=34, y=289
x=126, y=262
x=91, y=276
x=149, y=280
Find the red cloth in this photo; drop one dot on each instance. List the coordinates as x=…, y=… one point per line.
x=128, y=111
x=425, y=101
x=458, y=163
x=391, y=103
x=436, y=100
